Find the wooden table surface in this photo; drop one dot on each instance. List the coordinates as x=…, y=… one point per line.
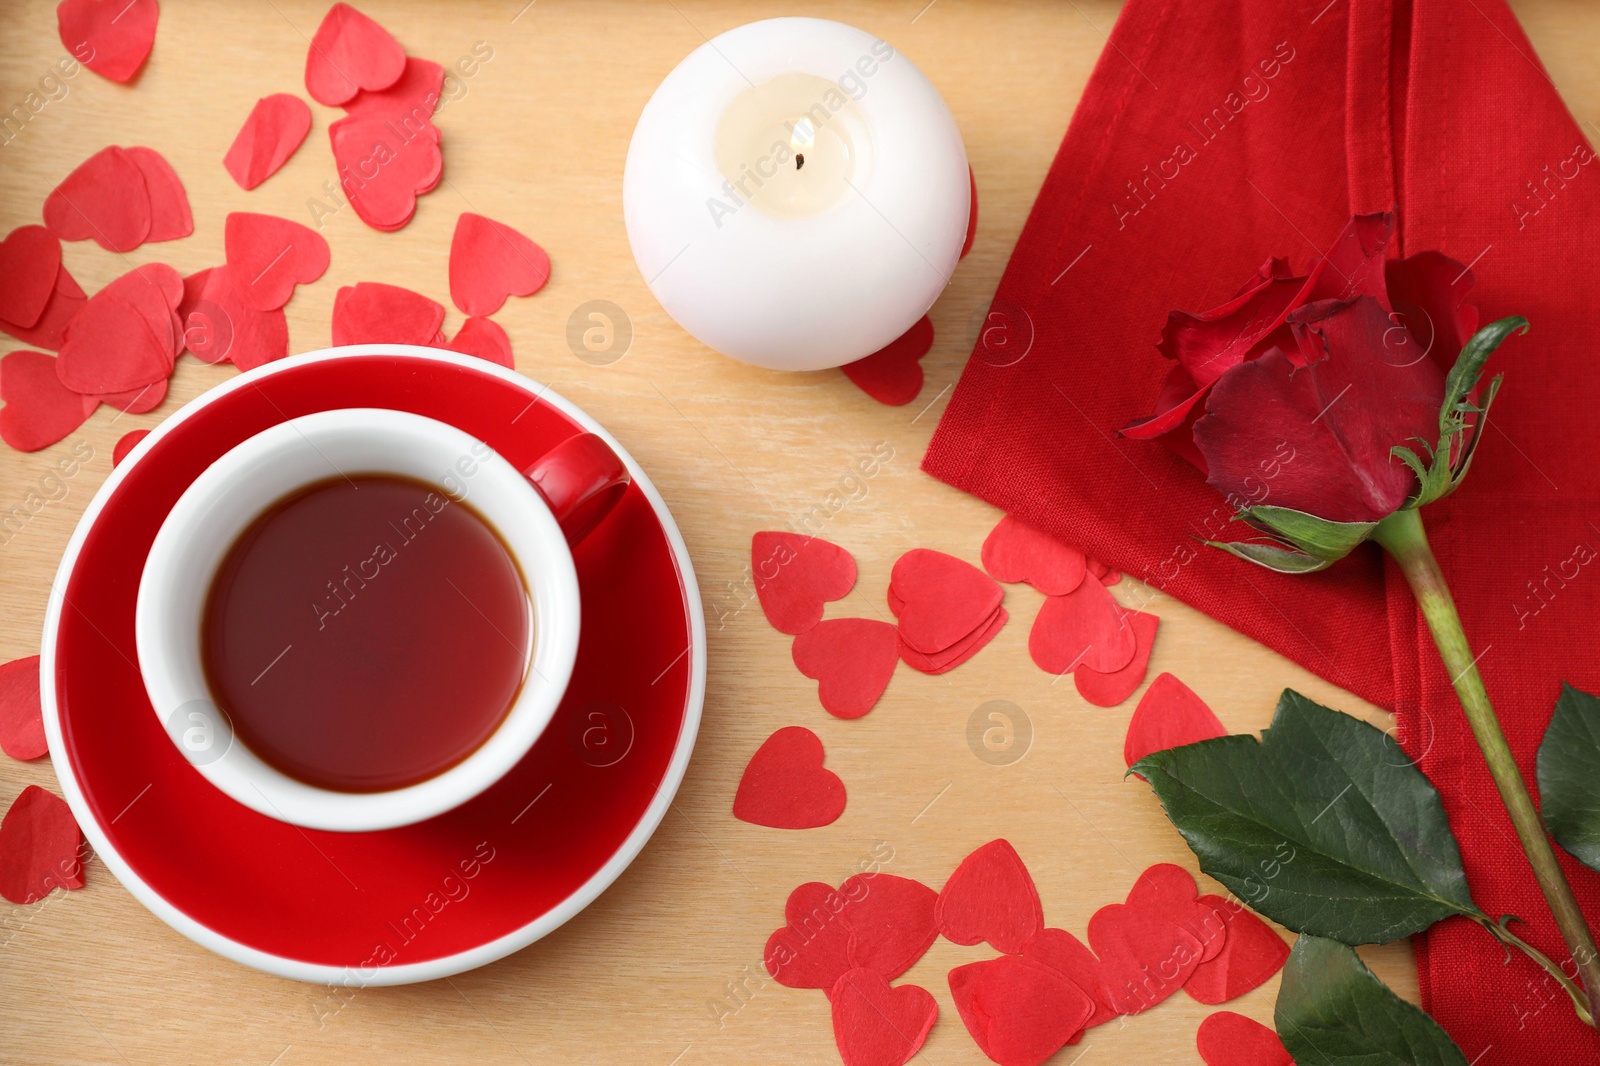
x=537, y=136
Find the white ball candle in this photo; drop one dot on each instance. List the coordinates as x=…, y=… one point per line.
x=796, y=193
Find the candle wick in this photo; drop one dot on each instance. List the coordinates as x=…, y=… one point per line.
x=799, y=160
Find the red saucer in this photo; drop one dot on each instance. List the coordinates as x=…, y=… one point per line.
x=405, y=904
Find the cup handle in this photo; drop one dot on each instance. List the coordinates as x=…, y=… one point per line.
x=581, y=479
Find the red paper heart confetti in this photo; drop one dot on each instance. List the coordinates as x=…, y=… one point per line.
x=1110, y=689
x=51, y=330
x=268, y=256
x=1072, y=959
x=490, y=261
x=38, y=410
x=21, y=718
x=126, y=444
x=1144, y=956
x=135, y=401
x=957, y=653
x=409, y=102
x=892, y=375
x=891, y=922
x=1168, y=716
x=375, y=313
x=38, y=847
x=852, y=659
x=1103, y=573
x=795, y=575
x=384, y=168
x=1251, y=952
x=939, y=599
x=349, y=53
x=875, y=1025
x=1015, y=551
x=483, y=338
x=812, y=948
x=170, y=217
x=275, y=129
x=104, y=199
x=990, y=897
x=218, y=327
x=110, y=37
x=1169, y=891
x=1229, y=1039
x=1019, y=1011
x=30, y=258
x=785, y=785
x=1086, y=627
x=126, y=336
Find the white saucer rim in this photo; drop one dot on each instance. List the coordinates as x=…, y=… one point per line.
x=444, y=966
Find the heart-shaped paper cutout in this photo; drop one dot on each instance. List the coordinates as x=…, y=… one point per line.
x=21, y=716
x=66, y=300
x=276, y=127
x=30, y=258
x=135, y=401
x=957, y=653
x=483, y=338
x=126, y=444
x=1169, y=890
x=349, y=53
x=1103, y=573
x=383, y=168
x=990, y=897
x=875, y=1025
x=268, y=256
x=785, y=785
x=939, y=599
x=490, y=261
x=1108, y=690
x=811, y=949
x=1019, y=1011
x=170, y=217
x=1251, y=952
x=409, y=102
x=1144, y=956
x=1086, y=627
x=891, y=922
x=1072, y=959
x=110, y=37
x=103, y=199
x=1229, y=1039
x=218, y=327
x=1015, y=551
x=375, y=313
x=1169, y=715
x=38, y=410
x=39, y=841
x=126, y=336
x=892, y=375
x=795, y=575
x=852, y=660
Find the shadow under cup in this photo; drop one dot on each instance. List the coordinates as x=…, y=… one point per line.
x=358, y=619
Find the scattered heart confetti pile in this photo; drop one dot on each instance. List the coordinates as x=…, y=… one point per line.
x=1047, y=987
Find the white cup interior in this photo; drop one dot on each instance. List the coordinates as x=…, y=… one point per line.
x=222, y=502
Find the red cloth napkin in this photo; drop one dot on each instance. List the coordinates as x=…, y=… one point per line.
x=1212, y=135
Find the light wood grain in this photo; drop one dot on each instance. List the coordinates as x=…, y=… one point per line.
x=538, y=140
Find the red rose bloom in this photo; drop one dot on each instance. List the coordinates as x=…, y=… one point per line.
x=1321, y=375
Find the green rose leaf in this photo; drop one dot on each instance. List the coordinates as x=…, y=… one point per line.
x=1332, y=1011
x=1324, y=826
x=1569, y=781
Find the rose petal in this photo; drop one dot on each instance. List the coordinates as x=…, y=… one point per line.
x=1327, y=428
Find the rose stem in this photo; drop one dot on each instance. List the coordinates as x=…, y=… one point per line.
x=1403, y=537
